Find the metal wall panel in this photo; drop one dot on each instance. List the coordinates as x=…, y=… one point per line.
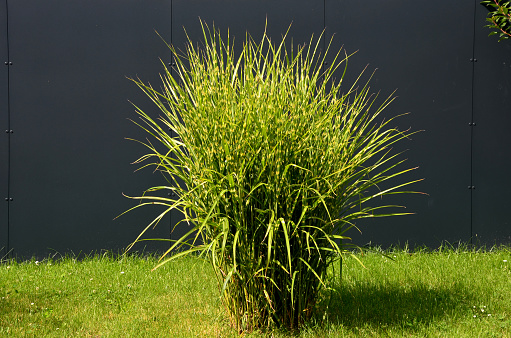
x=305, y=17
x=492, y=139
x=420, y=52
x=4, y=137
x=69, y=111
x=244, y=16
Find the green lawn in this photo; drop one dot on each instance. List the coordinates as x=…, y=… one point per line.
x=446, y=293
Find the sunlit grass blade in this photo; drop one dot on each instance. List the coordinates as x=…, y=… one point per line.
x=272, y=161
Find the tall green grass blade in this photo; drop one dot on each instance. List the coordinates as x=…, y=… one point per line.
x=272, y=161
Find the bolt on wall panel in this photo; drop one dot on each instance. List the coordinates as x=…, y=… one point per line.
x=70, y=111
x=417, y=50
x=242, y=17
x=492, y=139
x=4, y=135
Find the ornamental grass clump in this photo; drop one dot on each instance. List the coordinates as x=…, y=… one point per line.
x=270, y=164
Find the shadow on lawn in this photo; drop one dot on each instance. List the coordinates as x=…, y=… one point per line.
x=394, y=305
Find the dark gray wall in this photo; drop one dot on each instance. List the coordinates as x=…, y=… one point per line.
x=66, y=97
x=491, y=155
x=421, y=53
x=69, y=110
x=4, y=132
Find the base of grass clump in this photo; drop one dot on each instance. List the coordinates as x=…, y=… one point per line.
x=271, y=163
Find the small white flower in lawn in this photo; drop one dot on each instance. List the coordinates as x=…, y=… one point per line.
x=484, y=306
x=36, y=262
x=475, y=316
x=489, y=314
x=8, y=266
x=474, y=306
x=505, y=260
x=482, y=310
x=91, y=278
x=31, y=303
x=122, y=272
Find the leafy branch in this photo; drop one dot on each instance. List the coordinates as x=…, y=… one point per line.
x=499, y=18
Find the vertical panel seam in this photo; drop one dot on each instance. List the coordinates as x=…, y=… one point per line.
x=324, y=26
x=8, y=128
x=472, y=121
x=171, y=22
x=171, y=62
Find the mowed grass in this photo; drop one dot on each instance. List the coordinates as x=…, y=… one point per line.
x=107, y=297
x=444, y=293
